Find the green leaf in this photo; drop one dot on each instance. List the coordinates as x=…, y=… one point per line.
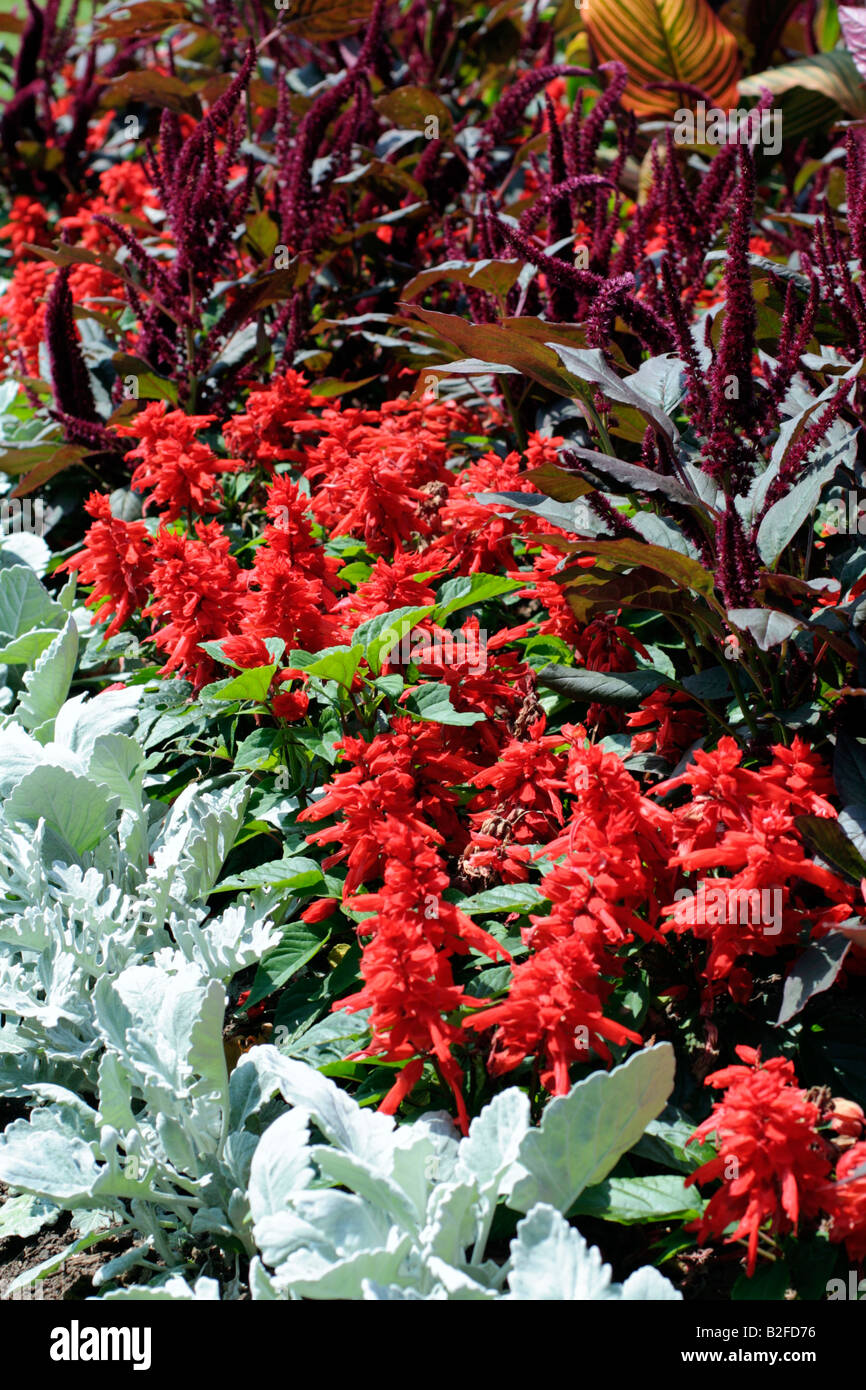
x=516, y=343
x=340, y=665
x=410, y=108
x=433, y=702
x=173, y=1289
x=682, y=570
x=301, y=941
x=471, y=589
x=661, y=380
x=47, y=1163
x=116, y=762
x=624, y=688
x=322, y=21
x=249, y=685
x=332, y=1039
x=154, y=89
x=852, y=820
x=260, y=749
x=666, y=1142
x=589, y=365
x=535, y=504
x=558, y=482
x=495, y=277
x=26, y=1215
x=634, y=477
x=584, y=1134
x=494, y=1139
x=205, y=1054
x=280, y=1164
x=838, y=447
x=712, y=684
x=25, y=649
x=392, y=685
x=355, y=573
x=496, y=979
x=659, y=661
x=48, y=459
x=551, y=1261
x=508, y=897
x=629, y=1201
x=663, y=43
x=783, y=520
x=378, y=635
x=292, y=873
x=768, y=1284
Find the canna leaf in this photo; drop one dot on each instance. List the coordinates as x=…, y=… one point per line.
x=665, y=41
x=831, y=75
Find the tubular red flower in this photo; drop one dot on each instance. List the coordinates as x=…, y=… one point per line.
x=179, y=471
x=771, y=1161
x=117, y=560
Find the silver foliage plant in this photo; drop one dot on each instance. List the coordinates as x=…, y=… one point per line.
x=95, y=876
x=330, y=1200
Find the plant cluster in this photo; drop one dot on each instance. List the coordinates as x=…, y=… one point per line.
x=432, y=791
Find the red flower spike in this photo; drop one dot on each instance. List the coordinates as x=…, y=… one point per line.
x=771, y=1161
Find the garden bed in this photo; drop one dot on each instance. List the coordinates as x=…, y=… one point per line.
x=432, y=673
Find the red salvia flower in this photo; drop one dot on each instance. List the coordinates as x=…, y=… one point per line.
x=197, y=588
x=525, y=780
x=399, y=582
x=554, y=1009
x=264, y=434
x=290, y=705
x=180, y=471
x=409, y=984
x=771, y=1160
x=410, y=989
x=284, y=601
x=407, y=773
x=117, y=560
x=248, y=652
x=845, y=1200
x=27, y=222
x=680, y=723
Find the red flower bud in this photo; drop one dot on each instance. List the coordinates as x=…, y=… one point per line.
x=319, y=910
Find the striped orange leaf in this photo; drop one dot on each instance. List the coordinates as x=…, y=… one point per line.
x=833, y=75
x=665, y=41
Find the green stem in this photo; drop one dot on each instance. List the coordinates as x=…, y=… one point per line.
x=741, y=699
x=600, y=428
